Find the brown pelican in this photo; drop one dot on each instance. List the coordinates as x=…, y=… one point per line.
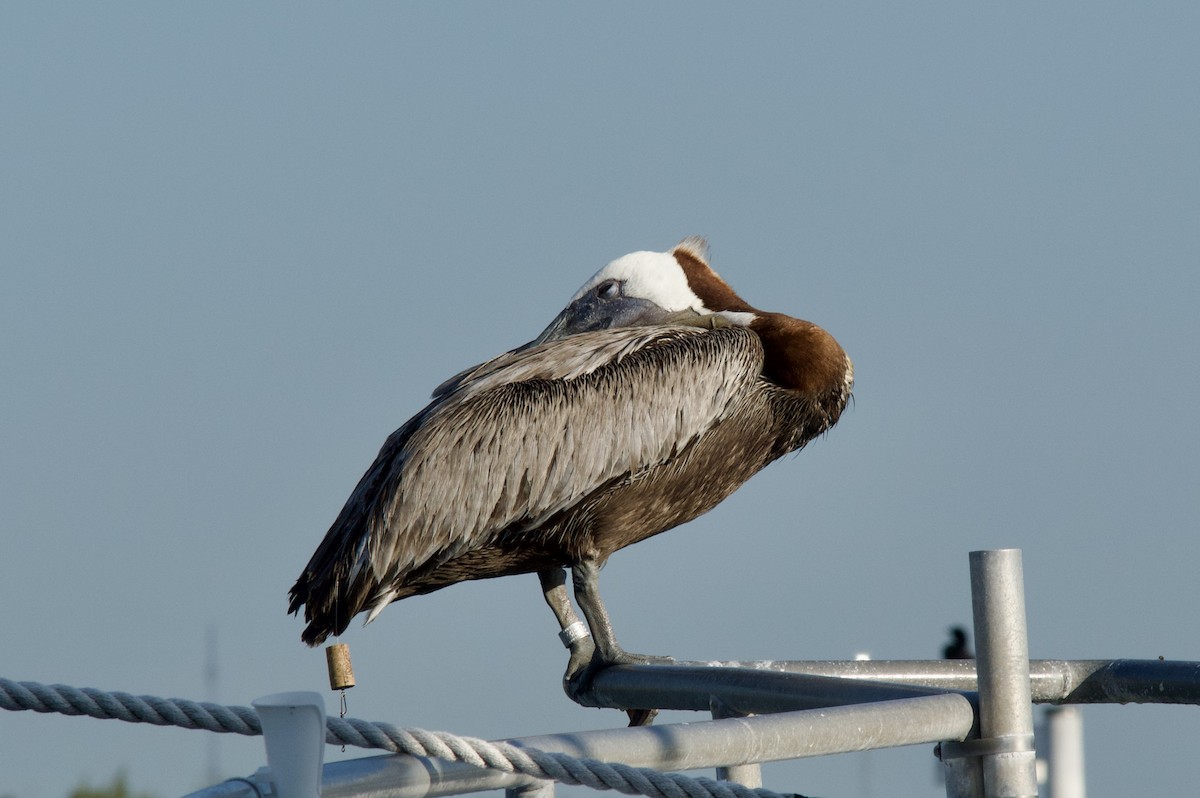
x=651, y=397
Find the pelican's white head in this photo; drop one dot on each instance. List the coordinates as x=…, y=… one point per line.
x=653, y=276
x=643, y=288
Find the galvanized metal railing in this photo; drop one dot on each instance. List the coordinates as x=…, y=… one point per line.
x=979, y=711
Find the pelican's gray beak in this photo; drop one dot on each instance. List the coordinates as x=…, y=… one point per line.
x=556, y=329
x=591, y=312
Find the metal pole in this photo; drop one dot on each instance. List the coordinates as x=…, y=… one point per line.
x=686, y=685
x=745, y=692
x=771, y=738
x=1064, y=753
x=1005, y=704
x=964, y=775
x=747, y=775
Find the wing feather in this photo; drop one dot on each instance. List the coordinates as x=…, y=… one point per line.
x=531, y=436
x=517, y=439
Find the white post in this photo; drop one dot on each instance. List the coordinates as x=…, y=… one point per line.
x=1064, y=753
x=293, y=727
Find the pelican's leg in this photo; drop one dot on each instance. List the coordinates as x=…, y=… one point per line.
x=585, y=578
x=574, y=633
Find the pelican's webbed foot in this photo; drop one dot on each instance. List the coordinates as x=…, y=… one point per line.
x=577, y=682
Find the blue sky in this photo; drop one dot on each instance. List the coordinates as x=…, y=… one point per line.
x=242, y=243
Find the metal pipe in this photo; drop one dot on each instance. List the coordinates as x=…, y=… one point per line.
x=1052, y=681
x=770, y=738
x=964, y=776
x=1005, y=704
x=394, y=775
x=1122, y=681
x=742, y=690
x=402, y=776
x=747, y=775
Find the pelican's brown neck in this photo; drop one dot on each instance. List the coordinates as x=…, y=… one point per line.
x=802, y=357
x=799, y=355
x=714, y=292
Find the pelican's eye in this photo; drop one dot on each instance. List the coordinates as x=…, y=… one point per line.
x=609, y=289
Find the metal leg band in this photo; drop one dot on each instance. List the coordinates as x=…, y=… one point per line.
x=573, y=634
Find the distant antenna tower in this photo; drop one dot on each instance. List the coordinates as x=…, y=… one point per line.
x=211, y=674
